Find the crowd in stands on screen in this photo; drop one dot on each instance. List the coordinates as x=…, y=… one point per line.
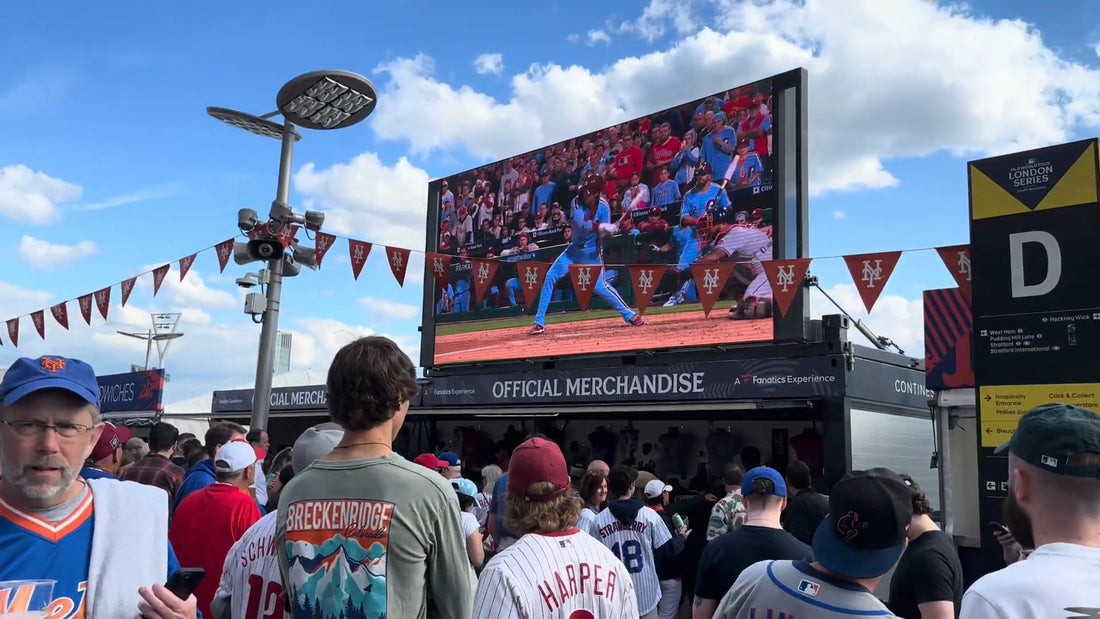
x=649, y=162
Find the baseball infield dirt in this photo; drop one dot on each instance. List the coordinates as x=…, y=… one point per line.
x=669, y=330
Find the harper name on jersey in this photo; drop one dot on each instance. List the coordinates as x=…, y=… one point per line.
x=578, y=580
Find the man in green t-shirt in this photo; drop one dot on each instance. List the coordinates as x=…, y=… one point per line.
x=362, y=531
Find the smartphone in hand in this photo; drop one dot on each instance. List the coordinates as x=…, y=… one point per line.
x=996, y=527
x=184, y=581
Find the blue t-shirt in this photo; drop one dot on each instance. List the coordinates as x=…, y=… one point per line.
x=500, y=507
x=33, y=549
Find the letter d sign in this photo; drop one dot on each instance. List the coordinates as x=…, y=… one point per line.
x=1016, y=243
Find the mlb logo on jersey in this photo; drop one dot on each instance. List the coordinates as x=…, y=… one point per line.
x=565, y=543
x=808, y=587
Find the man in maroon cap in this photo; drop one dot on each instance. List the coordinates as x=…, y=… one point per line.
x=106, y=458
x=553, y=569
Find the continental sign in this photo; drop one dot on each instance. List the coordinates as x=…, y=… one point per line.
x=1002, y=406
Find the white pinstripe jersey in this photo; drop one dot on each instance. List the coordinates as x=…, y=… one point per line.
x=633, y=544
x=556, y=576
x=250, y=576
x=749, y=245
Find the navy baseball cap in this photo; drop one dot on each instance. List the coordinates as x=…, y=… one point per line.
x=451, y=458
x=27, y=376
x=864, y=534
x=777, y=487
x=1049, y=435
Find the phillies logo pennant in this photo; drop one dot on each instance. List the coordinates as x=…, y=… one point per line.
x=359, y=250
x=870, y=272
x=399, y=262
x=61, y=314
x=710, y=278
x=484, y=272
x=127, y=287
x=585, y=277
x=645, y=278
x=225, y=252
x=531, y=276
x=957, y=260
x=13, y=332
x=159, y=274
x=785, y=277
x=440, y=267
x=103, y=301
x=185, y=265
x=85, y=303
x=39, y=320
x=321, y=245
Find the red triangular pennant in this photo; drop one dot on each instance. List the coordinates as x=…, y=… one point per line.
x=710, y=278
x=225, y=252
x=399, y=263
x=13, y=332
x=127, y=287
x=646, y=278
x=185, y=265
x=870, y=272
x=484, y=272
x=957, y=260
x=321, y=246
x=585, y=277
x=85, y=303
x=359, y=250
x=39, y=320
x=103, y=301
x=785, y=278
x=531, y=275
x=61, y=314
x=159, y=274
x=439, y=265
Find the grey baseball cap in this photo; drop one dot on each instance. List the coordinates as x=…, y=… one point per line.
x=314, y=444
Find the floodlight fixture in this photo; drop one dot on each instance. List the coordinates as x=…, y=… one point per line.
x=248, y=122
x=329, y=99
x=247, y=219
x=314, y=220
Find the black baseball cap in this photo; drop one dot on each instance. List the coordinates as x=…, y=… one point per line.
x=1049, y=435
x=864, y=534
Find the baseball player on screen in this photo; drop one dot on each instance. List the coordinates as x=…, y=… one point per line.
x=589, y=213
x=554, y=570
x=696, y=203
x=637, y=535
x=734, y=240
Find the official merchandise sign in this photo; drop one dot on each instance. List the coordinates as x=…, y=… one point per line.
x=810, y=377
x=1036, y=305
x=132, y=392
x=306, y=398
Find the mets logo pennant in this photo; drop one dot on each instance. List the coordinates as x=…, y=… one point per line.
x=484, y=273
x=710, y=279
x=439, y=265
x=531, y=275
x=358, y=251
x=957, y=260
x=398, y=260
x=870, y=272
x=585, y=277
x=785, y=277
x=646, y=278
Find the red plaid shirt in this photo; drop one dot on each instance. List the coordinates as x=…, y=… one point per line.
x=156, y=470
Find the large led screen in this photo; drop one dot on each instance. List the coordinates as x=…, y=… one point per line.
x=694, y=183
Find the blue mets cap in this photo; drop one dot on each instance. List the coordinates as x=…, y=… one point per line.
x=27, y=376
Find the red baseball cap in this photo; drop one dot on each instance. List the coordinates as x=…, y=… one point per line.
x=430, y=461
x=537, y=460
x=113, y=437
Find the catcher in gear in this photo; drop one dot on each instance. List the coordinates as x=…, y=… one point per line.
x=734, y=240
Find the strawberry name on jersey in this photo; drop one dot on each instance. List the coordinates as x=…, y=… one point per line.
x=616, y=526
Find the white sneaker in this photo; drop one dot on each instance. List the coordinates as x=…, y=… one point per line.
x=674, y=300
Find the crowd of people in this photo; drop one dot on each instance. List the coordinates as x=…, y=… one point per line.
x=347, y=527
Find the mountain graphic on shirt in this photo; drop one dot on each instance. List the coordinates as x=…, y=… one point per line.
x=338, y=579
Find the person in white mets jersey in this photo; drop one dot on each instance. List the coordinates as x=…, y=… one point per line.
x=637, y=535
x=251, y=585
x=554, y=570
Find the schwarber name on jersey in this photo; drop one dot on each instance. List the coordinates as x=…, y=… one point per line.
x=566, y=575
x=250, y=577
x=633, y=542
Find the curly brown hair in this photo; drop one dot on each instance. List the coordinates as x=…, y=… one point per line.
x=557, y=514
x=921, y=505
x=368, y=382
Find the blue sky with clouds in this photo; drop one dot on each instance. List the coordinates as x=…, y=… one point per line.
x=109, y=165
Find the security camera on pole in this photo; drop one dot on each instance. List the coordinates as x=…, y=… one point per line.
x=320, y=100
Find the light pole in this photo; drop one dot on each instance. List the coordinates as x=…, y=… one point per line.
x=320, y=100
x=150, y=337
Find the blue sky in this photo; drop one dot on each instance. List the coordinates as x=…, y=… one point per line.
x=104, y=120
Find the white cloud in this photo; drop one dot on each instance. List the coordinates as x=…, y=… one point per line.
x=369, y=200
x=883, y=84
x=894, y=317
x=489, y=63
x=148, y=194
x=598, y=36
x=192, y=293
x=653, y=20
x=839, y=214
x=46, y=256
x=573, y=38
x=33, y=197
x=389, y=309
